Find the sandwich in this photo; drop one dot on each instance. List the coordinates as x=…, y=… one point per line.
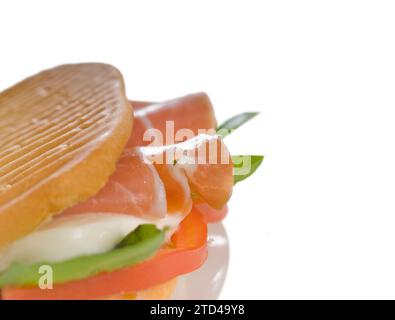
x=106, y=198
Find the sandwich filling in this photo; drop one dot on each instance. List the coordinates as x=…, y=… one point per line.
x=151, y=186
x=144, y=227
x=79, y=235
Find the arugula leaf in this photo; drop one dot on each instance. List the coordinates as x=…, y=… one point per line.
x=139, y=245
x=235, y=122
x=245, y=166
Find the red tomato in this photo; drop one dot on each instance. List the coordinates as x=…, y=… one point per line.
x=187, y=253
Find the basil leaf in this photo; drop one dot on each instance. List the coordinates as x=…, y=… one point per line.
x=235, y=122
x=139, y=245
x=245, y=166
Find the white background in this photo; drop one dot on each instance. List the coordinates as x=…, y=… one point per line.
x=317, y=220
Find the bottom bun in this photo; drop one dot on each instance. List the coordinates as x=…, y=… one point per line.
x=162, y=291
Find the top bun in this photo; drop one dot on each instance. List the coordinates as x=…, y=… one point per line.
x=61, y=133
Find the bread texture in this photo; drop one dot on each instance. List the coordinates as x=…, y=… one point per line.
x=163, y=291
x=61, y=134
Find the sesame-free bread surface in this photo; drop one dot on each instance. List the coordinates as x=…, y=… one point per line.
x=61, y=133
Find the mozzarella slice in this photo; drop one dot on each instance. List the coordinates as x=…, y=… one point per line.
x=77, y=235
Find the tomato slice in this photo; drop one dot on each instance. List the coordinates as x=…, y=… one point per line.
x=187, y=252
x=210, y=214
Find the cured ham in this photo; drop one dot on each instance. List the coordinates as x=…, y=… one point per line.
x=153, y=181
x=184, y=117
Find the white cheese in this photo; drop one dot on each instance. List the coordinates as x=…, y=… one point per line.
x=76, y=235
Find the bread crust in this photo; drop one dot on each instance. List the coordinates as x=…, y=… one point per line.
x=84, y=122
x=163, y=291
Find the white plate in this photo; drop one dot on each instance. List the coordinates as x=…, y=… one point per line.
x=207, y=282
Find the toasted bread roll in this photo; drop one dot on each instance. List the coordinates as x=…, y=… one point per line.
x=61, y=133
x=163, y=291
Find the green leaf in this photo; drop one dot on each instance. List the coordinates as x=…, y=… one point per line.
x=139, y=245
x=235, y=122
x=245, y=166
